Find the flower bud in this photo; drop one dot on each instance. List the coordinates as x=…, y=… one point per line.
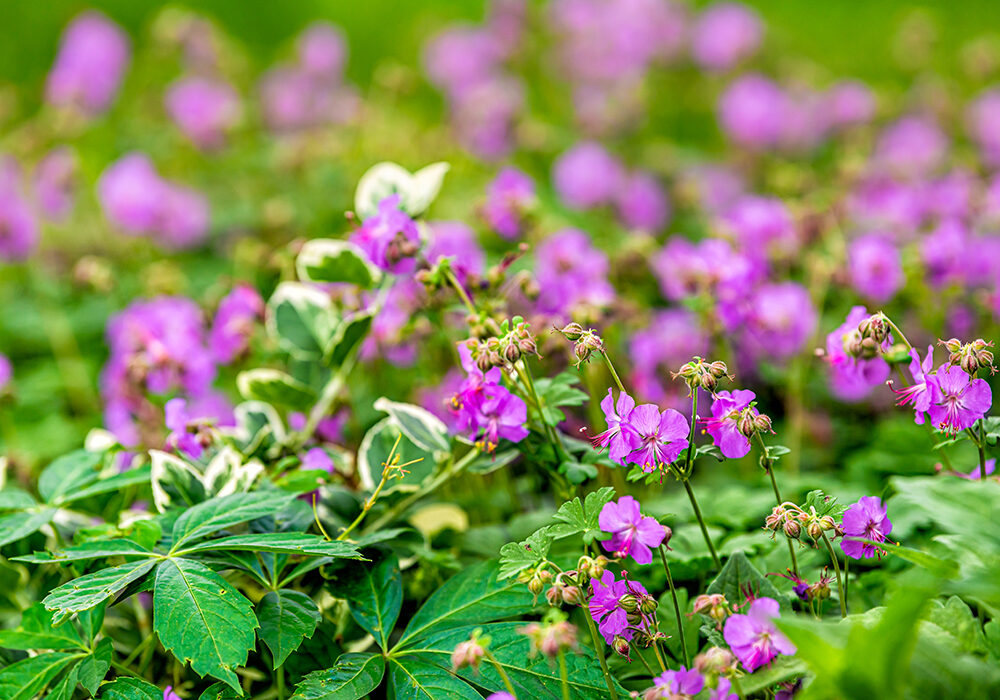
x=572, y=595
x=792, y=529
x=828, y=523
x=667, y=534
x=572, y=331
x=629, y=603
x=554, y=595
x=814, y=528
x=819, y=590
x=776, y=519
x=953, y=345
x=762, y=423
x=715, y=661
x=512, y=353
x=468, y=653
x=647, y=605
x=527, y=346
x=600, y=564
x=582, y=353
x=535, y=585
x=718, y=369
x=746, y=423
x=620, y=646
x=709, y=382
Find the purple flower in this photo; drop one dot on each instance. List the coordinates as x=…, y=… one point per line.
x=984, y=124
x=920, y=393
x=712, y=186
x=18, y=223
x=642, y=203
x=725, y=34
x=205, y=109
x=762, y=222
x=945, y=252
x=178, y=421
x=184, y=217
x=681, y=683
x=865, y=519
x=509, y=198
x=667, y=341
x=234, y=323
x=571, y=272
x=54, y=182
x=501, y=695
x=93, y=56
x=660, y=437
x=618, y=438
x=958, y=401
x=318, y=459
x=390, y=238
x=686, y=269
x=753, y=637
x=455, y=240
x=389, y=337
x=6, y=372
x=169, y=694
x=875, y=267
x=131, y=194
x=587, y=176
x=911, y=147
x=752, y=111
x=848, y=103
x=322, y=50
x=611, y=619
x=774, y=321
x=485, y=116
x=502, y=416
x=851, y=378
x=723, y=426
x=632, y=533
x=485, y=409
x=975, y=474
x=723, y=690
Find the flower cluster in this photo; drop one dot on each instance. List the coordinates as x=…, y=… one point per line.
x=93, y=56
x=623, y=611
x=735, y=419
x=484, y=409
x=390, y=238
x=641, y=435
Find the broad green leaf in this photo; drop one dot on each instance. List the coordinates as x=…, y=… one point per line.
x=280, y=543
x=66, y=687
x=93, y=668
x=174, y=481
x=68, y=473
x=127, y=688
x=13, y=498
x=739, y=578
x=132, y=477
x=559, y=391
x=423, y=428
x=220, y=691
x=286, y=618
x=782, y=669
x=349, y=335
x=473, y=596
x=515, y=557
x=24, y=679
x=199, y=617
x=91, y=621
x=940, y=567
x=93, y=589
x=17, y=526
x=301, y=319
x=330, y=260
x=275, y=387
x=413, y=678
x=219, y=513
x=95, y=549
x=581, y=518
x=955, y=618
x=374, y=593
x=351, y=678
x=36, y=631
x=258, y=427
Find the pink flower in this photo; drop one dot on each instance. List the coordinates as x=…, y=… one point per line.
x=169, y=694
x=725, y=34
x=671, y=685
x=919, y=393
x=642, y=203
x=619, y=436
x=660, y=437
x=958, y=400
x=611, y=618
x=204, y=109
x=875, y=267
x=753, y=637
x=633, y=534
x=509, y=197
x=723, y=426
x=390, y=238
x=234, y=323
x=867, y=520
x=587, y=175
x=93, y=56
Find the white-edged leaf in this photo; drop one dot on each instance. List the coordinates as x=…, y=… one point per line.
x=275, y=387
x=174, y=481
x=424, y=188
x=422, y=427
x=227, y=473
x=330, y=260
x=301, y=319
x=380, y=181
x=257, y=424
x=349, y=334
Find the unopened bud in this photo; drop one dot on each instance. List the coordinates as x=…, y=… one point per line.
x=572, y=331
x=535, y=585
x=468, y=653
x=572, y=595
x=629, y=603
x=746, y=424
x=762, y=423
x=555, y=594
x=512, y=353
x=953, y=345
x=621, y=647
x=815, y=529
x=776, y=519
x=709, y=382
x=792, y=529
x=719, y=369
x=647, y=605
x=715, y=661
x=600, y=564
x=527, y=346
x=828, y=523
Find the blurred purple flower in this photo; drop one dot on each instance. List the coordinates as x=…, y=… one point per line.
x=711, y=186
x=587, y=176
x=18, y=222
x=725, y=34
x=711, y=266
x=667, y=341
x=752, y=111
x=234, y=323
x=875, y=267
x=865, y=519
x=983, y=120
x=945, y=253
x=177, y=420
x=682, y=683
x=848, y=103
x=975, y=474
x=54, y=182
x=205, y=109
x=850, y=378
x=753, y=637
x=317, y=458
x=509, y=198
x=632, y=533
x=131, y=194
x=184, y=217
x=390, y=238
x=322, y=50
x=761, y=223
x=642, y=203
x=911, y=147
x=456, y=240
x=571, y=272
x=93, y=55
x=6, y=372
x=778, y=320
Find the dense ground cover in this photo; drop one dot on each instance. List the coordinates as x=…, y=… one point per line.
x=574, y=349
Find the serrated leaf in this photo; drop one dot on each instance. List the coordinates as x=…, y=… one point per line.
x=93, y=589
x=219, y=513
x=576, y=517
x=516, y=557
x=824, y=504
x=16, y=526
x=473, y=596
x=275, y=387
x=412, y=678
x=132, y=477
x=374, y=594
x=95, y=549
x=349, y=334
x=126, y=688
x=327, y=260
x=220, y=691
x=353, y=676
x=94, y=667
x=280, y=543
x=301, y=319
x=258, y=427
x=420, y=426
x=199, y=617
x=286, y=618
x=739, y=577
x=66, y=687
x=68, y=473
x=24, y=679
x=36, y=631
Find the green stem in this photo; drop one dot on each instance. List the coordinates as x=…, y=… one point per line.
x=463, y=295
x=499, y=668
x=599, y=649
x=646, y=664
x=659, y=656
x=840, y=581
x=279, y=681
x=563, y=675
x=769, y=468
x=677, y=607
x=980, y=442
x=899, y=333
x=688, y=461
x=614, y=374
x=701, y=523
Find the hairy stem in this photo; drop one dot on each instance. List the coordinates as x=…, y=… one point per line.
x=614, y=374
x=677, y=607
x=769, y=468
x=840, y=580
x=599, y=649
x=701, y=523
x=499, y=668
x=563, y=675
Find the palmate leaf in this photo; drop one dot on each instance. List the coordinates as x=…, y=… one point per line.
x=374, y=593
x=351, y=678
x=132, y=477
x=739, y=577
x=219, y=513
x=125, y=688
x=199, y=617
x=16, y=526
x=515, y=557
x=95, y=549
x=94, y=667
x=473, y=596
x=575, y=517
x=286, y=618
x=68, y=473
x=220, y=691
x=25, y=679
x=414, y=678
x=279, y=543
x=93, y=589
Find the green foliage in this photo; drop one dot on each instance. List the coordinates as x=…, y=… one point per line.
x=576, y=518
x=351, y=678
x=559, y=391
x=374, y=593
x=328, y=260
x=275, y=387
x=739, y=579
x=286, y=618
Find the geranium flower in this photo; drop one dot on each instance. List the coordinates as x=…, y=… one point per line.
x=673, y=685
x=660, y=436
x=632, y=533
x=919, y=393
x=865, y=519
x=619, y=438
x=959, y=400
x=611, y=618
x=723, y=426
x=753, y=637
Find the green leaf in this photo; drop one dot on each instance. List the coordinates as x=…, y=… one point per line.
x=25, y=679
x=559, y=391
x=13, y=498
x=174, y=481
x=199, y=617
x=301, y=319
x=36, y=631
x=17, y=526
x=329, y=260
x=94, y=667
x=413, y=678
x=939, y=567
x=68, y=473
x=93, y=589
x=487, y=463
x=286, y=618
x=95, y=549
x=353, y=676
x=738, y=577
x=125, y=688
x=258, y=427
x=516, y=557
x=374, y=450
x=782, y=669
x=576, y=517
x=955, y=618
x=776, y=452
x=668, y=623
x=220, y=691
x=91, y=621
x=473, y=596
x=275, y=387
x=374, y=593
x=824, y=504
x=132, y=477
x=349, y=335
x=220, y=513
x=420, y=426
x=578, y=472
x=66, y=687
x=227, y=473
x=279, y=543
